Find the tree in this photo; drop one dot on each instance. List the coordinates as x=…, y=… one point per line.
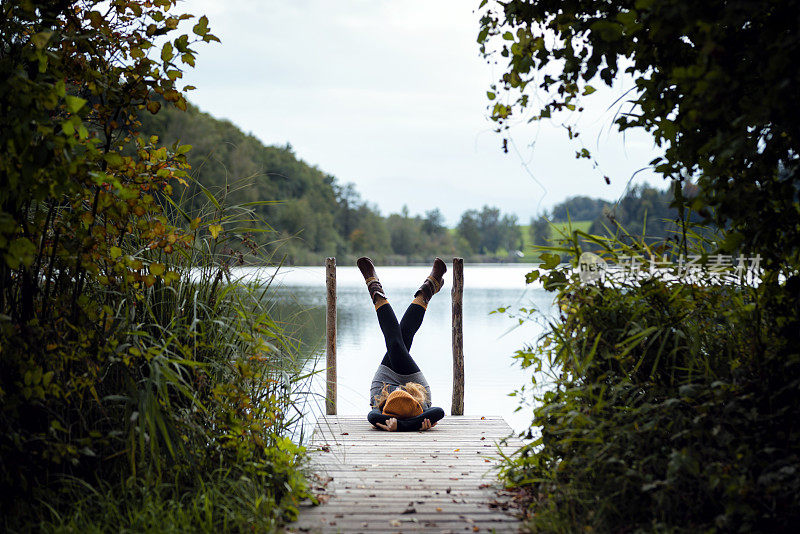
x=487, y=231
x=469, y=230
x=714, y=82
x=405, y=232
x=433, y=222
x=539, y=230
x=578, y=208
x=80, y=220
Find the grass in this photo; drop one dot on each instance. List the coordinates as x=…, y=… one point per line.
x=174, y=414
x=556, y=231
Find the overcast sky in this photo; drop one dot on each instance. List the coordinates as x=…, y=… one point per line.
x=391, y=95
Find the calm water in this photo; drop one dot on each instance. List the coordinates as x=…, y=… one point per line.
x=489, y=339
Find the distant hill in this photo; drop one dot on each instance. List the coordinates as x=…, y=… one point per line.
x=238, y=168
x=310, y=214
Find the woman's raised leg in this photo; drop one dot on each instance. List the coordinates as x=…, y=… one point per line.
x=397, y=357
x=412, y=319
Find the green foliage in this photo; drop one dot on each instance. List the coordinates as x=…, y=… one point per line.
x=312, y=214
x=669, y=405
x=486, y=231
x=539, y=230
x=299, y=200
x=578, y=208
x=129, y=358
x=672, y=403
x=645, y=211
x=713, y=85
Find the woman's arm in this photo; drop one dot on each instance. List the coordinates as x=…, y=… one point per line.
x=433, y=415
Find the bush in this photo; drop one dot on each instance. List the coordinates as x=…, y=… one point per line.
x=131, y=364
x=672, y=404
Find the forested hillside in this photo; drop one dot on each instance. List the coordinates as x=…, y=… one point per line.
x=311, y=214
x=308, y=214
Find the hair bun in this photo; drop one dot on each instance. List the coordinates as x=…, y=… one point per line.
x=401, y=404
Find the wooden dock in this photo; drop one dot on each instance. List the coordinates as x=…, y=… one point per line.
x=435, y=481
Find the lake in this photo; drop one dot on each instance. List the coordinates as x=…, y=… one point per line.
x=490, y=339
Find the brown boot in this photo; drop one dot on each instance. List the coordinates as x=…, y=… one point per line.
x=374, y=287
x=434, y=282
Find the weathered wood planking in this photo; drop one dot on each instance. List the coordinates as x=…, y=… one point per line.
x=435, y=481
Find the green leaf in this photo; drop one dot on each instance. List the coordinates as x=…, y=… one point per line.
x=113, y=159
x=491, y=95
x=74, y=103
x=201, y=28
x=166, y=52
x=21, y=251
x=115, y=252
x=40, y=39
x=550, y=261
x=732, y=241
x=588, y=90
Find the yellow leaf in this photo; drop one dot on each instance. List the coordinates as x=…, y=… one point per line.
x=157, y=269
x=215, y=229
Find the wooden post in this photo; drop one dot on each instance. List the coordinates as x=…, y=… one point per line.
x=330, y=328
x=458, y=337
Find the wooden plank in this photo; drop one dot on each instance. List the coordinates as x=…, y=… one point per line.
x=441, y=480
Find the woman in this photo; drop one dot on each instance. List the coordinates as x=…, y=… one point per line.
x=399, y=393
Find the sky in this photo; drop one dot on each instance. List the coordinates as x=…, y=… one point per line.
x=391, y=96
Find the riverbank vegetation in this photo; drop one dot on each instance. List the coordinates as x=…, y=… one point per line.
x=671, y=400
x=141, y=387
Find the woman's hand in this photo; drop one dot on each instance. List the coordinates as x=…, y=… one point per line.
x=426, y=424
x=391, y=425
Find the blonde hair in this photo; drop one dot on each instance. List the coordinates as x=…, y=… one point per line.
x=417, y=391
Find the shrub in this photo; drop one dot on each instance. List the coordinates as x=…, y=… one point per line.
x=671, y=407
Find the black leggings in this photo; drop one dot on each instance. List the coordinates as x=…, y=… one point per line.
x=398, y=337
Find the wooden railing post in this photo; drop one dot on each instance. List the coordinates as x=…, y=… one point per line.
x=330, y=328
x=458, y=337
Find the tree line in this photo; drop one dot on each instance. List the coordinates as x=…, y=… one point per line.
x=643, y=211
x=309, y=213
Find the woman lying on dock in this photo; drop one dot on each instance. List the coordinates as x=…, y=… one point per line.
x=400, y=394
